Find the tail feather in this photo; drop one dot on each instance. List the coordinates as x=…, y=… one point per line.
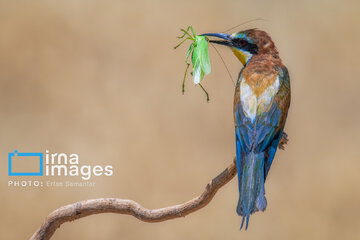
x=261, y=202
x=242, y=222
x=251, y=188
x=247, y=221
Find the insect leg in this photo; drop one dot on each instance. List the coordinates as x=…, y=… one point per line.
x=182, y=42
x=192, y=30
x=187, y=67
x=207, y=95
x=186, y=32
x=183, y=83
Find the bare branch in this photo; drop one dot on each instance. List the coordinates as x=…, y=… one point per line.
x=123, y=206
x=129, y=207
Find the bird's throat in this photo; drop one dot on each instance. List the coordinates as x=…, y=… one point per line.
x=243, y=56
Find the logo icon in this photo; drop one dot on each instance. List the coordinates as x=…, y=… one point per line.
x=25, y=164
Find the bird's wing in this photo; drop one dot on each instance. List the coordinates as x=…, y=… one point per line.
x=264, y=132
x=281, y=105
x=242, y=139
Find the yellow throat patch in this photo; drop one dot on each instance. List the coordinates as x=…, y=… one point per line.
x=242, y=56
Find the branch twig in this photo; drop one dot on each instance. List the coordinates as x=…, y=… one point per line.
x=123, y=206
x=89, y=207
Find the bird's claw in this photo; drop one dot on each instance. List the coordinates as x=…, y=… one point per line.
x=283, y=141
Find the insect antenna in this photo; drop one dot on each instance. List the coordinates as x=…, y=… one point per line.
x=227, y=69
x=252, y=20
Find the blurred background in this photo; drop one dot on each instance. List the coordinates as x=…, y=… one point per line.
x=101, y=79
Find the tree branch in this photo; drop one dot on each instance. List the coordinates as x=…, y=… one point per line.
x=129, y=207
x=89, y=207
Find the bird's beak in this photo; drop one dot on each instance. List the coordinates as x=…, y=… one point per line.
x=227, y=37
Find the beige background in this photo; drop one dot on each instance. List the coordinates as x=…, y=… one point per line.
x=100, y=79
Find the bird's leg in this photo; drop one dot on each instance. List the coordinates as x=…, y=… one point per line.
x=283, y=141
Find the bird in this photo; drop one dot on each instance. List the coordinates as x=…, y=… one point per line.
x=261, y=104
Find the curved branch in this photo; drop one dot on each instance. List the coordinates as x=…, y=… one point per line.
x=123, y=206
x=85, y=208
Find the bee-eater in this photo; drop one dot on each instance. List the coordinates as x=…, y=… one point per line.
x=261, y=103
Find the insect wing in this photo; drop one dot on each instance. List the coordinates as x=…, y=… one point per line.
x=203, y=51
x=198, y=73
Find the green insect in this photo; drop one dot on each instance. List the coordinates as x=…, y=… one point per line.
x=199, y=57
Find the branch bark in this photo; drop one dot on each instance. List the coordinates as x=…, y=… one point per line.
x=89, y=207
x=85, y=208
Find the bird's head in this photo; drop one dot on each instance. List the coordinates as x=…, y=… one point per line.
x=246, y=43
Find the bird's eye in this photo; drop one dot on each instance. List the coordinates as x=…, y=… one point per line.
x=242, y=42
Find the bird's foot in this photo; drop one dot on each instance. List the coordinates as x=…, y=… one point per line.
x=283, y=141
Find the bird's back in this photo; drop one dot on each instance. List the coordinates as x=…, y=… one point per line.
x=262, y=98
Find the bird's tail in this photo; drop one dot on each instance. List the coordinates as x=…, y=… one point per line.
x=251, y=187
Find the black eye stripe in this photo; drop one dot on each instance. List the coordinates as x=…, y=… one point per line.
x=240, y=41
x=243, y=44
